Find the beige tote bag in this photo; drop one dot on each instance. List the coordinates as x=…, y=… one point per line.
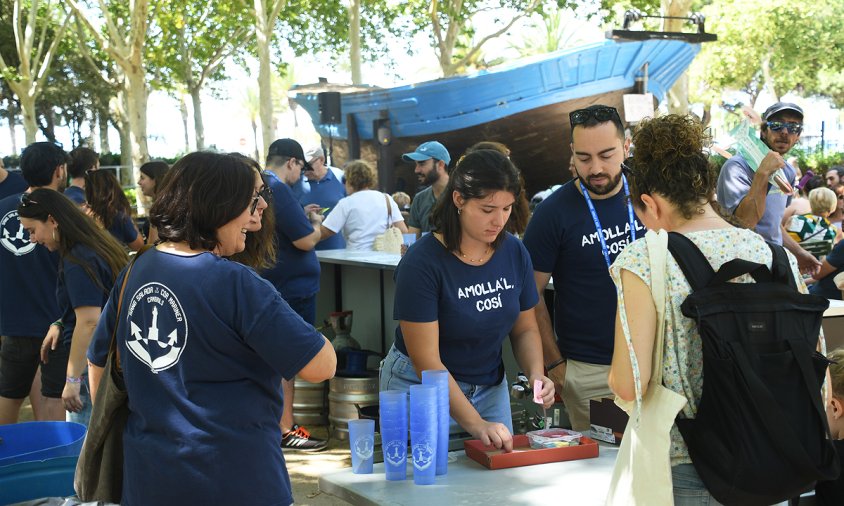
x=642, y=474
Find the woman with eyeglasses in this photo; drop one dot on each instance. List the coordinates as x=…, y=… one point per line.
x=672, y=187
x=460, y=291
x=109, y=206
x=204, y=343
x=365, y=212
x=260, y=250
x=90, y=261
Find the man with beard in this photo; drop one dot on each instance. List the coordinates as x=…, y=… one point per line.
x=432, y=161
x=575, y=234
x=751, y=197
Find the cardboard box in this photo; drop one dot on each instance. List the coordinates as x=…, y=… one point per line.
x=608, y=421
x=524, y=455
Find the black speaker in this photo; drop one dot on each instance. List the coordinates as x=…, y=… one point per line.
x=329, y=108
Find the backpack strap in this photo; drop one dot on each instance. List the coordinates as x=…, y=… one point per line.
x=781, y=267
x=692, y=262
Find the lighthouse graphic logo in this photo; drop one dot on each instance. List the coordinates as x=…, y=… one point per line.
x=158, y=327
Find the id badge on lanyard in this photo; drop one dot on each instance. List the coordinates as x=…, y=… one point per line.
x=597, y=220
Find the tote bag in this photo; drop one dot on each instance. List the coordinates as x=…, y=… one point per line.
x=642, y=473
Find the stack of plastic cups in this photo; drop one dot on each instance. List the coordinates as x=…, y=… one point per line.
x=439, y=378
x=423, y=433
x=393, y=422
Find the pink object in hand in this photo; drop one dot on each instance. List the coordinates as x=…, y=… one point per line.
x=537, y=391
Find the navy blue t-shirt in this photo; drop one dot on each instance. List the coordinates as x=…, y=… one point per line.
x=826, y=287
x=75, y=194
x=562, y=240
x=326, y=192
x=123, y=229
x=76, y=288
x=296, y=272
x=13, y=184
x=28, y=274
x=204, y=344
x=474, y=305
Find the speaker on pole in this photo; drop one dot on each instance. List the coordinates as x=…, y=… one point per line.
x=329, y=108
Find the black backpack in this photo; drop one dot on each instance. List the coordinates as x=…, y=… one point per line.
x=760, y=435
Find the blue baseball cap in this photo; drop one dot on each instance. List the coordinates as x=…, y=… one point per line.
x=427, y=150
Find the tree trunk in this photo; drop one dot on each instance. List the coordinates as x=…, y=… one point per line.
x=354, y=41
x=30, y=125
x=183, y=109
x=198, y=125
x=102, y=119
x=263, y=36
x=12, y=135
x=136, y=97
x=678, y=95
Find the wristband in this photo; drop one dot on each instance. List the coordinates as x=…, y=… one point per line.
x=71, y=379
x=58, y=323
x=555, y=363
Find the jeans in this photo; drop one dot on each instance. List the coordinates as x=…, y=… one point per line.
x=492, y=402
x=83, y=416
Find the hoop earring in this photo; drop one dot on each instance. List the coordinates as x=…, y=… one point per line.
x=459, y=210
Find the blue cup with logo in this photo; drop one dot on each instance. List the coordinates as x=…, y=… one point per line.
x=439, y=378
x=362, y=445
x=423, y=433
x=393, y=423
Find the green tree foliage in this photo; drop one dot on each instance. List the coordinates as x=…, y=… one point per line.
x=190, y=41
x=446, y=21
x=776, y=44
x=37, y=28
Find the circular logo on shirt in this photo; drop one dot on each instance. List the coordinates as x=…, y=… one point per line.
x=396, y=452
x=364, y=446
x=158, y=327
x=423, y=456
x=12, y=235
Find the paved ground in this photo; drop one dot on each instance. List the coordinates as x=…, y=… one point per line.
x=304, y=468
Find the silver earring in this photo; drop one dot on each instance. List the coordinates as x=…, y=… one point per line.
x=459, y=210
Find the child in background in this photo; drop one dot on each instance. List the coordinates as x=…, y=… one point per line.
x=831, y=492
x=816, y=227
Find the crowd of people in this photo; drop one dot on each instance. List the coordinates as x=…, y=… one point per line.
x=220, y=311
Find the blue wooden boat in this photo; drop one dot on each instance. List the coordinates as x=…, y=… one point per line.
x=523, y=104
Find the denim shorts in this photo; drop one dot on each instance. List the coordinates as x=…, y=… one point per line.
x=689, y=489
x=491, y=401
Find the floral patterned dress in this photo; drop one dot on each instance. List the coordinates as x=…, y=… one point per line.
x=682, y=355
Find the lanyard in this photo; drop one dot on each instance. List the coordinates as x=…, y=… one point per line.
x=597, y=221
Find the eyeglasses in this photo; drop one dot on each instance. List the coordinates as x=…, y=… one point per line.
x=601, y=114
x=792, y=127
x=264, y=193
x=26, y=200
x=627, y=168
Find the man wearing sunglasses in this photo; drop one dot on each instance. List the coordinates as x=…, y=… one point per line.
x=296, y=273
x=751, y=197
x=28, y=305
x=574, y=235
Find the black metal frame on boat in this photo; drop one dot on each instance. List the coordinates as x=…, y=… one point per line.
x=697, y=19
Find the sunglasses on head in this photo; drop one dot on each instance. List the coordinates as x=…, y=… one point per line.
x=792, y=127
x=266, y=193
x=26, y=200
x=601, y=114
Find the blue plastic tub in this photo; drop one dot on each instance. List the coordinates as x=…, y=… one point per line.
x=38, y=459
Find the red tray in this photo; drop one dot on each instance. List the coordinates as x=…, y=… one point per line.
x=524, y=455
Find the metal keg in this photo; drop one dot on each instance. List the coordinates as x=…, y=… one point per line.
x=309, y=403
x=343, y=394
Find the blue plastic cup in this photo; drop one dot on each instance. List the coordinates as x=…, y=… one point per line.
x=362, y=445
x=423, y=433
x=393, y=422
x=439, y=378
